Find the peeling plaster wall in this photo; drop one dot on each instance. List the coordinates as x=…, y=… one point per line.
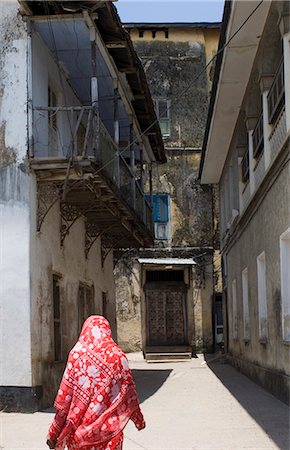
x=171, y=67
x=48, y=257
x=15, y=345
x=28, y=259
x=191, y=214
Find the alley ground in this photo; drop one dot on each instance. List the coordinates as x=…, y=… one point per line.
x=188, y=406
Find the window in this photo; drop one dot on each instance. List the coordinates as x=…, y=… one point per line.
x=56, y=318
x=85, y=303
x=285, y=284
x=219, y=323
x=235, y=309
x=276, y=96
x=245, y=290
x=52, y=121
x=161, y=203
x=104, y=304
x=258, y=137
x=161, y=207
x=262, y=297
x=245, y=167
x=162, y=108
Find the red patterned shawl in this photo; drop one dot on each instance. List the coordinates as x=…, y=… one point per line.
x=97, y=395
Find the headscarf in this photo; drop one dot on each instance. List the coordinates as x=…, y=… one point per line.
x=97, y=393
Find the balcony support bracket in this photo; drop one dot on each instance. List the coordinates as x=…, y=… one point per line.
x=92, y=234
x=107, y=245
x=47, y=195
x=69, y=214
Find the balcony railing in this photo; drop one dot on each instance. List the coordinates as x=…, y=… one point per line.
x=258, y=137
x=87, y=138
x=276, y=96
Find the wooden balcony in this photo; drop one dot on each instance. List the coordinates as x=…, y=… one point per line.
x=91, y=178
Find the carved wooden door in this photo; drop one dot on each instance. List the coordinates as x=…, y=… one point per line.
x=165, y=315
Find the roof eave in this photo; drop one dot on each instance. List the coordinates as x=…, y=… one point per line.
x=233, y=69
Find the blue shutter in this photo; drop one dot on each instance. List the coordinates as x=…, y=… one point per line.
x=160, y=207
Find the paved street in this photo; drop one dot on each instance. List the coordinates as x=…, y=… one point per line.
x=189, y=405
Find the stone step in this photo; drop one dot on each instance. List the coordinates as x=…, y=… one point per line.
x=167, y=357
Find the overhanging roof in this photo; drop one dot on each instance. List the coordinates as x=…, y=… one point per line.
x=232, y=73
x=156, y=25
x=167, y=261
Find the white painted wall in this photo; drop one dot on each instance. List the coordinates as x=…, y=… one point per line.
x=13, y=78
x=14, y=285
x=14, y=202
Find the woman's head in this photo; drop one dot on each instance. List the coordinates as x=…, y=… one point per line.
x=95, y=331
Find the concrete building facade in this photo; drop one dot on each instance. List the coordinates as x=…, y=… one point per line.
x=166, y=298
x=246, y=151
x=70, y=103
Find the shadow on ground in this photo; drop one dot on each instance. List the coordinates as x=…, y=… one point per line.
x=269, y=413
x=149, y=381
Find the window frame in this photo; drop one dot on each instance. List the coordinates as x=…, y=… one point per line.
x=262, y=297
x=246, y=312
x=235, y=309
x=285, y=281
x=57, y=322
x=163, y=119
x=86, y=309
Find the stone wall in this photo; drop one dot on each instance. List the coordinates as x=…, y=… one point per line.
x=175, y=69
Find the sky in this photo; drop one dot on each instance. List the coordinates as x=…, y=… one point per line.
x=170, y=10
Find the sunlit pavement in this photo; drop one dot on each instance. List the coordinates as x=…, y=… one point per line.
x=188, y=405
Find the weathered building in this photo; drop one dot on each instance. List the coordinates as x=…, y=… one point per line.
x=166, y=295
x=246, y=151
x=74, y=105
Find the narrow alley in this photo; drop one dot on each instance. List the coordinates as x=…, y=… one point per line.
x=194, y=405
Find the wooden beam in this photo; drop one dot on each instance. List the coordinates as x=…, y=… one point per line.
x=116, y=45
x=128, y=70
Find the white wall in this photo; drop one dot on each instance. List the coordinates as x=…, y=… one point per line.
x=14, y=285
x=14, y=202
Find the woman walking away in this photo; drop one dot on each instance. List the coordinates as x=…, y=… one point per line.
x=97, y=395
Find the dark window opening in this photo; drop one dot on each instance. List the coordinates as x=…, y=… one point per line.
x=104, y=304
x=164, y=275
x=56, y=319
x=162, y=108
x=85, y=303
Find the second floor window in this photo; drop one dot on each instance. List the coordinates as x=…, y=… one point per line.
x=162, y=108
x=161, y=205
x=52, y=121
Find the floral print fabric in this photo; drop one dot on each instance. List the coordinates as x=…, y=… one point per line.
x=97, y=395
